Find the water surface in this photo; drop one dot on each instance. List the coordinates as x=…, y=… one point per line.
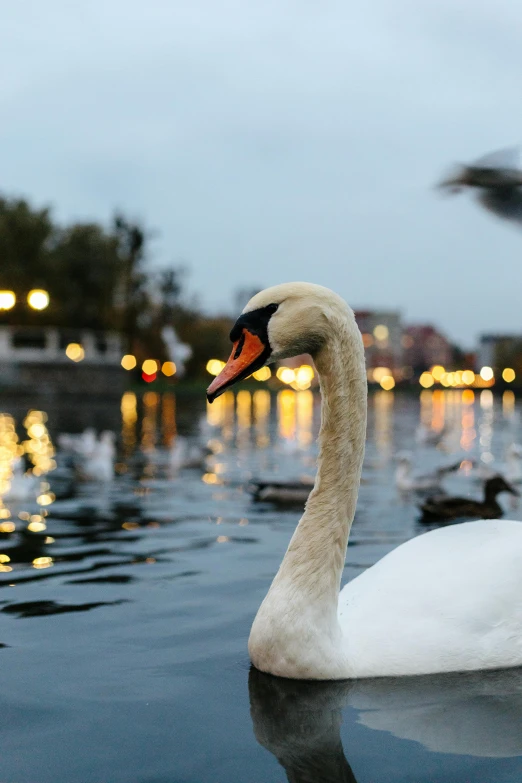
x=125, y=620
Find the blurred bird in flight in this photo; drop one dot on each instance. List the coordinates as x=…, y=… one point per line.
x=498, y=180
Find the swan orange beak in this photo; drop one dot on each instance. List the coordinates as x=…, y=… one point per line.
x=248, y=355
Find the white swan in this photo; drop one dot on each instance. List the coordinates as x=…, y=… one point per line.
x=448, y=600
x=98, y=464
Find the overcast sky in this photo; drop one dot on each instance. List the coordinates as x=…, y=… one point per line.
x=278, y=140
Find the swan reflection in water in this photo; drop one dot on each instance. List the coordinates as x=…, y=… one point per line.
x=475, y=714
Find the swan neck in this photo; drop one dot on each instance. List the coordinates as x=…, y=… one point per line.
x=316, y=554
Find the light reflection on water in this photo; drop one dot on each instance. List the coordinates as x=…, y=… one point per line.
x=160, y=573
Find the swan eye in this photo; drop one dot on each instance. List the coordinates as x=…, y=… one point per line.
x=271, y=308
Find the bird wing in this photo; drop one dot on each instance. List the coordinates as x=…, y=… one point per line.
x=503, y=202
x=500, y=159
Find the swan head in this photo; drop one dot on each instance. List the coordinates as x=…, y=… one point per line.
x=277, y=323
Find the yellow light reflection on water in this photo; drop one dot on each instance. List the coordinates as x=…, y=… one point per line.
x=383, y=407
x=149, y=422
x=168, y=418
x=426, y=404
x=36, y=526
x=305, y=414
x=261, y=401
x=228, y=415
x=215, y=412
x=468, y=433
x=42, y=562
x=486, y=398
x=10, y=450
x=508, y=404
x=244, y=409
x=468, y=397
x=438, y=411
x=39, y=447
x=129, y=417
x=244, y=418
x=286, y=404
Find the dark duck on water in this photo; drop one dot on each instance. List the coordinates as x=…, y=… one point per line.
x=439, y=509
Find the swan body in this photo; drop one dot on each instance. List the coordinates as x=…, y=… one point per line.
x=448, y=600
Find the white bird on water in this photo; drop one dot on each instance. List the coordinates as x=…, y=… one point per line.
x=446, y=601
x=22, y=485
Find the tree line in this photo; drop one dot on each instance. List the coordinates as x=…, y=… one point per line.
x=100, y=278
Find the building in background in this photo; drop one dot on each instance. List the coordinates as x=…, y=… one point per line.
x=381, y=332
x=423, y=347
x=499, y=351
x=55, y=360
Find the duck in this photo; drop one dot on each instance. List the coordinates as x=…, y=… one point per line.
x=449, y=600
x=406, y=481
x=444, y=508
x=498, y=180
x=282, y=493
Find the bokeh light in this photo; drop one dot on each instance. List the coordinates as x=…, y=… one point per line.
x=38, y=299
x=387, y=382
x=263, y=374
x=7, y=300
x=426, y=380
x=150, y=366
x=75, y=352
x=128, y=361
x=214, y=366
x=168, y=369
x=381, y=332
